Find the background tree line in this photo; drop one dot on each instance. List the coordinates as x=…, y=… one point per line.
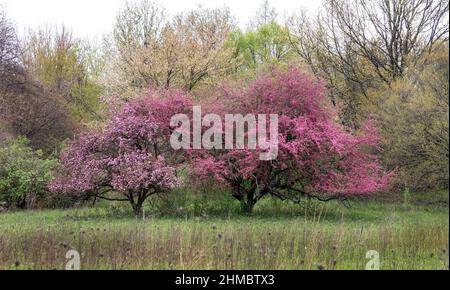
x=385, y=58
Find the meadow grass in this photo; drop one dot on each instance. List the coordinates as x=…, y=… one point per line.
x=278, y=236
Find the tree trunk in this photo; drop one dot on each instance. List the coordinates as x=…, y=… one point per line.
x=249, y=202
x=247, y=207
x=137, y=209
x=247, y=199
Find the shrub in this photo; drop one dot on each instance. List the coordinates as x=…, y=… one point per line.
x=24, y=174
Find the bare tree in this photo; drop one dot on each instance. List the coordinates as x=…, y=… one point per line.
x=33, y=111
x=27, y=107
x=8, y=67
x=358, y=44
x=138, y=24
x=388, y=32
x=9, y=49
x=266, y=14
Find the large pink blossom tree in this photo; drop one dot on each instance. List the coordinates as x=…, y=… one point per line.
x=130, y=156
x=317, y=157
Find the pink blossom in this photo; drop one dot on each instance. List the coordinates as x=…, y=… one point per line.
x=131, y=155
x=317, y=156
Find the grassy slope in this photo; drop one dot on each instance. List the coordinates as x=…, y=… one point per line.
x=279, y=236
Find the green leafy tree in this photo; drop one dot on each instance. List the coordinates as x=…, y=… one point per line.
x=24, y=174
x=269, y=44
x=64, y=65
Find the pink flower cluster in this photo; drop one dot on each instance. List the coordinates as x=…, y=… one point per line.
x=317, y=156
x=128, y=154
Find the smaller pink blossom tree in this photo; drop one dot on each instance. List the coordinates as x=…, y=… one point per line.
x=131, y=155
x=317, y=157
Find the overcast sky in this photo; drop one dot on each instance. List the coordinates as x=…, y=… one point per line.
x=94, y=17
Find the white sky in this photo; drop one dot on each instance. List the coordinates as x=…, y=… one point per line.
x=94, y=17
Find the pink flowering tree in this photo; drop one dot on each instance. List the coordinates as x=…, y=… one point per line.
x=317, y=157
x=131, y=156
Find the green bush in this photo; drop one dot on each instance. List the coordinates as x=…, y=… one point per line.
x=24, y=174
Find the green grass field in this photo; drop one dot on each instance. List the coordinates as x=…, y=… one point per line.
x=278, y=236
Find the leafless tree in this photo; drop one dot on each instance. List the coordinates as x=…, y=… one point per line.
x=265, y=15
x=386, y=33
x=9, y=49
x=8, y=65
x=357, y=44
x=27, y=108
x=139, y=24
